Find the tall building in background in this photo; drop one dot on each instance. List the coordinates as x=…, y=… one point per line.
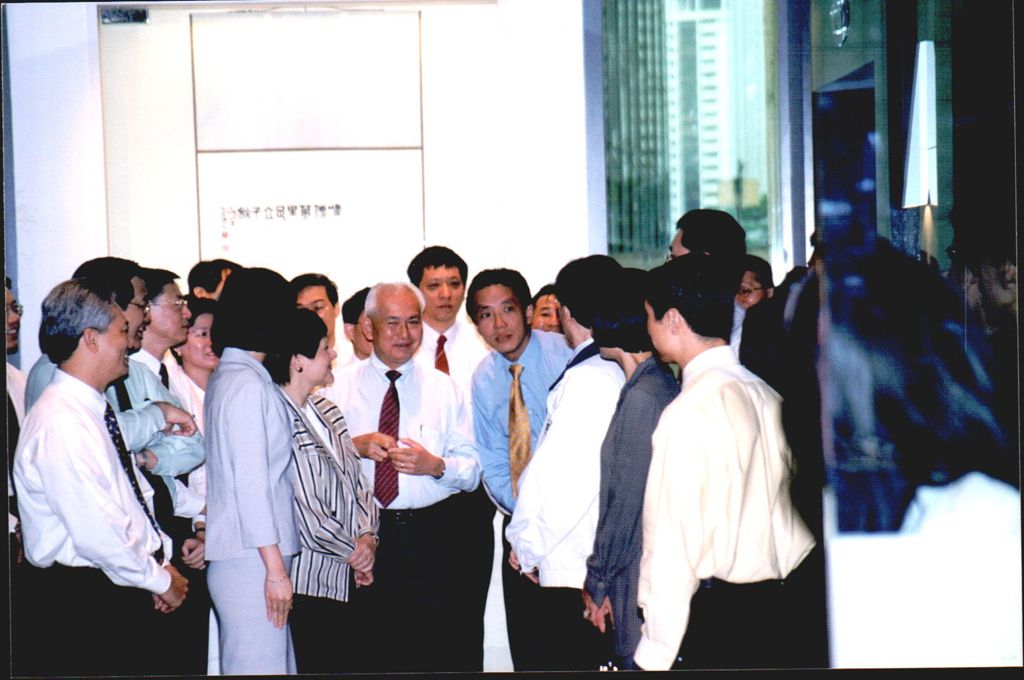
x=716, y=70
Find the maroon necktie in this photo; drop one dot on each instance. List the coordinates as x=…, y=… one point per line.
x=440, y=358
x=385, y=476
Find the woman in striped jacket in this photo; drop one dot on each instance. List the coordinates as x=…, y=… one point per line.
x=334, y=506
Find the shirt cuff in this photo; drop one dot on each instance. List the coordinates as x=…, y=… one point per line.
x=653, y=656
x=596, y=588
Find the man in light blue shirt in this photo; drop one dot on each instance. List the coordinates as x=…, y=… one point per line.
x=147, y=426
x=498, y=302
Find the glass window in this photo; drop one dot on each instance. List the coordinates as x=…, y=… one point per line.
x=687, y=89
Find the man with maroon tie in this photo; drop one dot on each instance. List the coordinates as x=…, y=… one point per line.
x=412, y=429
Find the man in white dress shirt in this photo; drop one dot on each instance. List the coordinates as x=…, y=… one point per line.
x=416, y=465
x=555, y=518
x=177, y=502
x=719, y=527
x=85, y=510
x=452, y=345
x=15, y=412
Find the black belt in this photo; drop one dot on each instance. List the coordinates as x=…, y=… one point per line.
x=719, y=584
x=410, y=515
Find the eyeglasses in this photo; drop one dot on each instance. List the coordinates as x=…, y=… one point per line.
x=144, y=306
x=15, y=307
x=179, y=303
x=747, y=292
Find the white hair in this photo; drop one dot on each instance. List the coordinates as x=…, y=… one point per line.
x=371, y=298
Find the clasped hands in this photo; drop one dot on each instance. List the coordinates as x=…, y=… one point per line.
x=410, y=459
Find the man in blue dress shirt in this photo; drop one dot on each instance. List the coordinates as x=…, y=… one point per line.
x=499, y=304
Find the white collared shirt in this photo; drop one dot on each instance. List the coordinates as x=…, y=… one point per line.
x=432, y=413
x=16, y=391
x=465, y=350
x=717, y=498
x=77, y=504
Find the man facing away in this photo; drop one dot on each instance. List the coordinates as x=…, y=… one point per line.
x=713, y=232
x=411, y=428
x=555, y=518
x=719, y=528
x=206, y=279
x=85, y=510
x=510, y=389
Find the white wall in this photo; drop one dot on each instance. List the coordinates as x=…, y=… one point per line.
x=57, y=149
x=538, y=169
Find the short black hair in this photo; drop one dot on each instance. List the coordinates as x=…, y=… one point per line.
x=582, y=286
x=305, y=331
x=432, y=257
x=712, y=231
x=116, y=271
x=354, y=306
x=251, y=311
x=156, y=279
x=303, y=281
x=206, y=273
x=546, y=289
x=7, y=282
x=701, y=287
x=622, y=322
x=509, y=278
x=761, y=268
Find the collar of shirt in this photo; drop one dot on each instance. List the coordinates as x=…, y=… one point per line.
x=430, y=336
x=580, y=347
x=89, y=397
x=234, y=355
x=380, y=369
x=147, y=360
x=708, y=359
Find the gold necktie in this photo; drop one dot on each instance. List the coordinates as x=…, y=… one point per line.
x=518, y=429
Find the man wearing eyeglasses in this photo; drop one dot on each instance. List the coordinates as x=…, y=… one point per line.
x=15, y=416
x=757, y=283
x=175, y=502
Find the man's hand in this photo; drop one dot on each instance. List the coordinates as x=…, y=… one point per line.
x=513, y=562
x=193, y=552
x=363, y=578
x=175, y=595
x=186, y=425
x=363, y=555
x=374, y=445
x=596, y=615
x=413, y=459
x=146, y=459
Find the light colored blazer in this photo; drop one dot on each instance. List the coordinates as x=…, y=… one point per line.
x=250, y=498
x=333, y=501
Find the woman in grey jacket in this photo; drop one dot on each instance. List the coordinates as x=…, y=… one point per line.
x=251, y=534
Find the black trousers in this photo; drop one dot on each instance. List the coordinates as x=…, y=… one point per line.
x=326, y=634
x=771, y=624
x=188, y=630
x=414, y=622
x=546, y=628
x=81, y=623
x=473, y=517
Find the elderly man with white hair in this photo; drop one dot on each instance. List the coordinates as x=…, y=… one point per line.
x=413, y=432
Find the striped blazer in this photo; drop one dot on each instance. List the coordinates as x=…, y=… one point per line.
x=333, y=501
